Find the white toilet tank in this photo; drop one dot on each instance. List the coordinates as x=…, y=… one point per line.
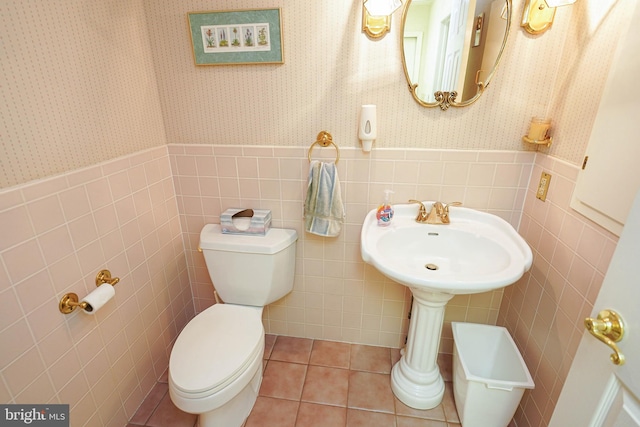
x=250, y=269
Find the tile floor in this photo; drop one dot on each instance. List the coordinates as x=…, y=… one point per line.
x=310, y=383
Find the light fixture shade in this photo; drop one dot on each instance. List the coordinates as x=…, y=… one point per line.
x=558, y=3
x=383, y=7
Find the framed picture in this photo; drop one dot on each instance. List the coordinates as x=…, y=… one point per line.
x=236, y=37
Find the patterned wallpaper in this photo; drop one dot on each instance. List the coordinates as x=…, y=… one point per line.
x=94, y=83
x=78, y=86
x=330, y=69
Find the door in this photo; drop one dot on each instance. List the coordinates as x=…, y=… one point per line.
x=597, y=392
x=455, y=60
x=604, y=193
x=412, y=44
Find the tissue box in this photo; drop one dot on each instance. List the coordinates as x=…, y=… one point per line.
x=245, y=221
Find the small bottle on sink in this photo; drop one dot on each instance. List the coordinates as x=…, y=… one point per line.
x=384, y=214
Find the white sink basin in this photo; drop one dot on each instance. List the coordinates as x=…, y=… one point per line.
x=476, y=252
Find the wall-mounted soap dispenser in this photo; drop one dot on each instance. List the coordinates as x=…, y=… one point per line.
x=367, y=129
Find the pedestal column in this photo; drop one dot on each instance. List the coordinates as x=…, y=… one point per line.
x=416, y=378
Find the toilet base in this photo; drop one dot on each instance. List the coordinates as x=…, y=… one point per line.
x=235, y=412
x=232, y=404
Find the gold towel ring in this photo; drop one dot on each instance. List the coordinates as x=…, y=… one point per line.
x=324, y=139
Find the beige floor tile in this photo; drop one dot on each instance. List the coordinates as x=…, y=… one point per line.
x=436, y=413
x=370, y=391
x=313, y=415
x=283, y=380
x=370, y=359
x=418, y=422
x=291, y=349
x=330, y=353
x=328, y=386
x=358, y=418
x=273, y=412
x=166, y=414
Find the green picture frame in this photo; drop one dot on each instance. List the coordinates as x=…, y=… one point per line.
x=235, y=37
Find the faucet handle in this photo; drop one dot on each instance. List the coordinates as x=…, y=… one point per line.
x=445, y=210
x=446, y=205
x=422, y=210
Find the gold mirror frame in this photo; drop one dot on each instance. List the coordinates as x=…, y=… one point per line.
x=444, y=100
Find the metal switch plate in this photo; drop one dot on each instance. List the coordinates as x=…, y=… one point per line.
x=543, y=186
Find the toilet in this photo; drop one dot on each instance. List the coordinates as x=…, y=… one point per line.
x=215, y=367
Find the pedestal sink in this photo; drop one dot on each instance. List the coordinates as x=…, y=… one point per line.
x=476, y=252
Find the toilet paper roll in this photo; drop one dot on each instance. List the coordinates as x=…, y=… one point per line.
x=99, y=297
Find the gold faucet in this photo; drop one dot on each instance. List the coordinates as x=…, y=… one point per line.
x=439, y=213
x=422, y=211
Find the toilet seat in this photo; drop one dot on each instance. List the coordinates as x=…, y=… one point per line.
x=215, y=348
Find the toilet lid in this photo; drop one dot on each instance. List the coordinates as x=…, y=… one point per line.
x=215, y=347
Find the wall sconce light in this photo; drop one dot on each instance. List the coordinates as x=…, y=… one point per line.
x=376, y=17
x=539, y=132
x=367, y=129
x=538, y=14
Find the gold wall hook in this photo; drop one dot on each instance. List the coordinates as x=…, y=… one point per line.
x=104, y=276
x=609, y=329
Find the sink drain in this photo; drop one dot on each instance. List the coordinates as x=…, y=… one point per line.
x=431, y=267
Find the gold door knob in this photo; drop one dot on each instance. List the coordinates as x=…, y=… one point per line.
x=609, y=329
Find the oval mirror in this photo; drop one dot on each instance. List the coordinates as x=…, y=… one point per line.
x=451, y=48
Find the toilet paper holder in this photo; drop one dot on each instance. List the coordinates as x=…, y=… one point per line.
x=69, y=301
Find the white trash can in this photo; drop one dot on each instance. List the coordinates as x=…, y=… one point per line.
x=489, y=375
